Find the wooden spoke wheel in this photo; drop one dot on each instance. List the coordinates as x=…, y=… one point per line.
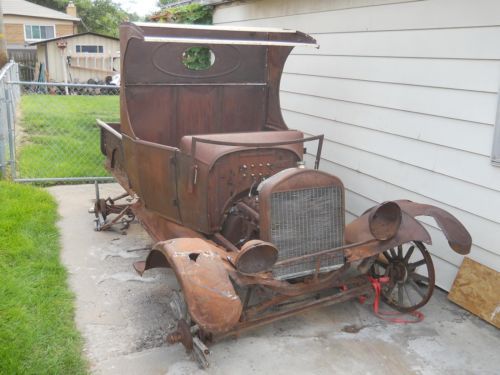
x=411, y=276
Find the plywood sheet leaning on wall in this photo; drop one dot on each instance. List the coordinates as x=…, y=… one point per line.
x=477, y=289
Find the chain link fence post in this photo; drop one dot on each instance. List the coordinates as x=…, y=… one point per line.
x=7, y=73
x=10, y=115
x=3, y=123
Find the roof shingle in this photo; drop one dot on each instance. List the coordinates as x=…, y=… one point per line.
x=25, y=8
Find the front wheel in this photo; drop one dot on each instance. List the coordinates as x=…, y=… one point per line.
x=411, y=276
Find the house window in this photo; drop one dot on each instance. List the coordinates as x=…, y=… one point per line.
x=37, y=32
x=89, y=49
x=495, y=154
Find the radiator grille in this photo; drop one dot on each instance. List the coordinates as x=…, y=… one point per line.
x=305, y=222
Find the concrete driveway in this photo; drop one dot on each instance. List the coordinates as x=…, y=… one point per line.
x=124, y=319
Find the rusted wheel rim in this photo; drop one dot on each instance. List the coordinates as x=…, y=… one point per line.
x=411, y=274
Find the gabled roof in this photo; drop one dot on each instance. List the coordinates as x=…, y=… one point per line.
x=25, y=8
x=72, y=36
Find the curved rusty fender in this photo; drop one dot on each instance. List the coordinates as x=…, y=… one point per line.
x=410, y=230
x=210, y=297
x=457, y=235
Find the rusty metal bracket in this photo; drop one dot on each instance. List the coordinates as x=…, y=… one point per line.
x=201, y=352
x=104, y=207
x=187, y=336
x=182, y=335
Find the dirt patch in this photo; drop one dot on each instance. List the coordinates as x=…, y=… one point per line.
x=352, y=328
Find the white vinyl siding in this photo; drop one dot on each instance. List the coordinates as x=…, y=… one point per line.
x=406, y=93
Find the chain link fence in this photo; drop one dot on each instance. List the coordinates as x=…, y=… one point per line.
x=54, y=137
x=9, y=99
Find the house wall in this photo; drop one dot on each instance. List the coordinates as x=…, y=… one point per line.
x=14, y=27
x=406, y=94
x=64, y=29
x=96, y=71
x=14, y=33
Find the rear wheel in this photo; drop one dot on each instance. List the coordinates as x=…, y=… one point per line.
x=411, y=276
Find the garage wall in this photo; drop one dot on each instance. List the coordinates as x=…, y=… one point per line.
x=406, y=94
x=99, y=69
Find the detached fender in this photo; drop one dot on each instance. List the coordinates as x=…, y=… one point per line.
x=209, y=294
x=457, y=235
x=410, y=230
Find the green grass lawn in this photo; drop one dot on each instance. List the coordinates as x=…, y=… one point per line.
x=37, y=329
x=59, y=136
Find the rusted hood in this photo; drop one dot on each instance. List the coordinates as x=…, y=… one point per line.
x=209, y=153
x=209, y=294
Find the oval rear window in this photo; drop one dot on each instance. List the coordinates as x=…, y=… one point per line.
x=198, y=58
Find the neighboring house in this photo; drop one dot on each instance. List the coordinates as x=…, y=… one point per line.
x=26, y=22
x=406, y=93
x=86, y=56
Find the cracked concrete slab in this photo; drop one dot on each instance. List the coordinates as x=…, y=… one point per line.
x=124, y=319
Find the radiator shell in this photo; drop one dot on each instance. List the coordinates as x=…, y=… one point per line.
x=302, y=212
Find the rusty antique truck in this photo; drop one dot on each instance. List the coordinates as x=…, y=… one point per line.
x=218, y=181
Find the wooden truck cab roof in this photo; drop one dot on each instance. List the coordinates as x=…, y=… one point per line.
x=163, y=100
